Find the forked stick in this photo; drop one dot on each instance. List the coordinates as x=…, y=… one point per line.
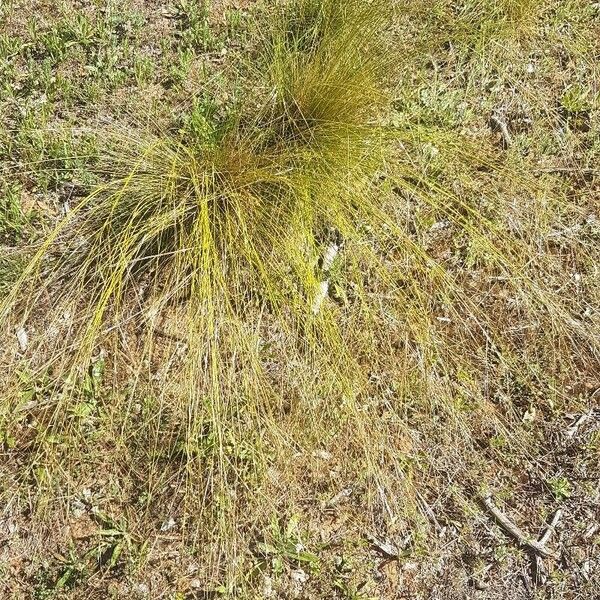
x=537, y=546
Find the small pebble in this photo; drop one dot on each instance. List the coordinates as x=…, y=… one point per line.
x=22, y=338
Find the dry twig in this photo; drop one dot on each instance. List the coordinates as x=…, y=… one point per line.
x=500, y=124
x=536, y=546
x=539, y=573
x=551, y=527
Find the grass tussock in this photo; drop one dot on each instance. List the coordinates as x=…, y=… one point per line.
x=240, y=205
x=195, y=246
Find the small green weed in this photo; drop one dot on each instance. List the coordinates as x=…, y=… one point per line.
x=560, y=487
x=13, y=221
x=285, y=548
x=196, y=31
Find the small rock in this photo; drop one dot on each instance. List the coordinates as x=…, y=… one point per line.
x=322, y=454
x=22, y=338
x=267, y=587
x=529, y=416
x=141, y=589
x=168, y=524
x=430, y=151
x=439, y=226
x=78, y=508
x=299, y=576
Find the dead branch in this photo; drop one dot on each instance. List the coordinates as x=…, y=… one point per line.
x=551, y=527
x=505, y=522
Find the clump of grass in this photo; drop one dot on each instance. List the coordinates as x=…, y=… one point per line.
x=479, y=22
x=205, y=241
x=242, y=206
